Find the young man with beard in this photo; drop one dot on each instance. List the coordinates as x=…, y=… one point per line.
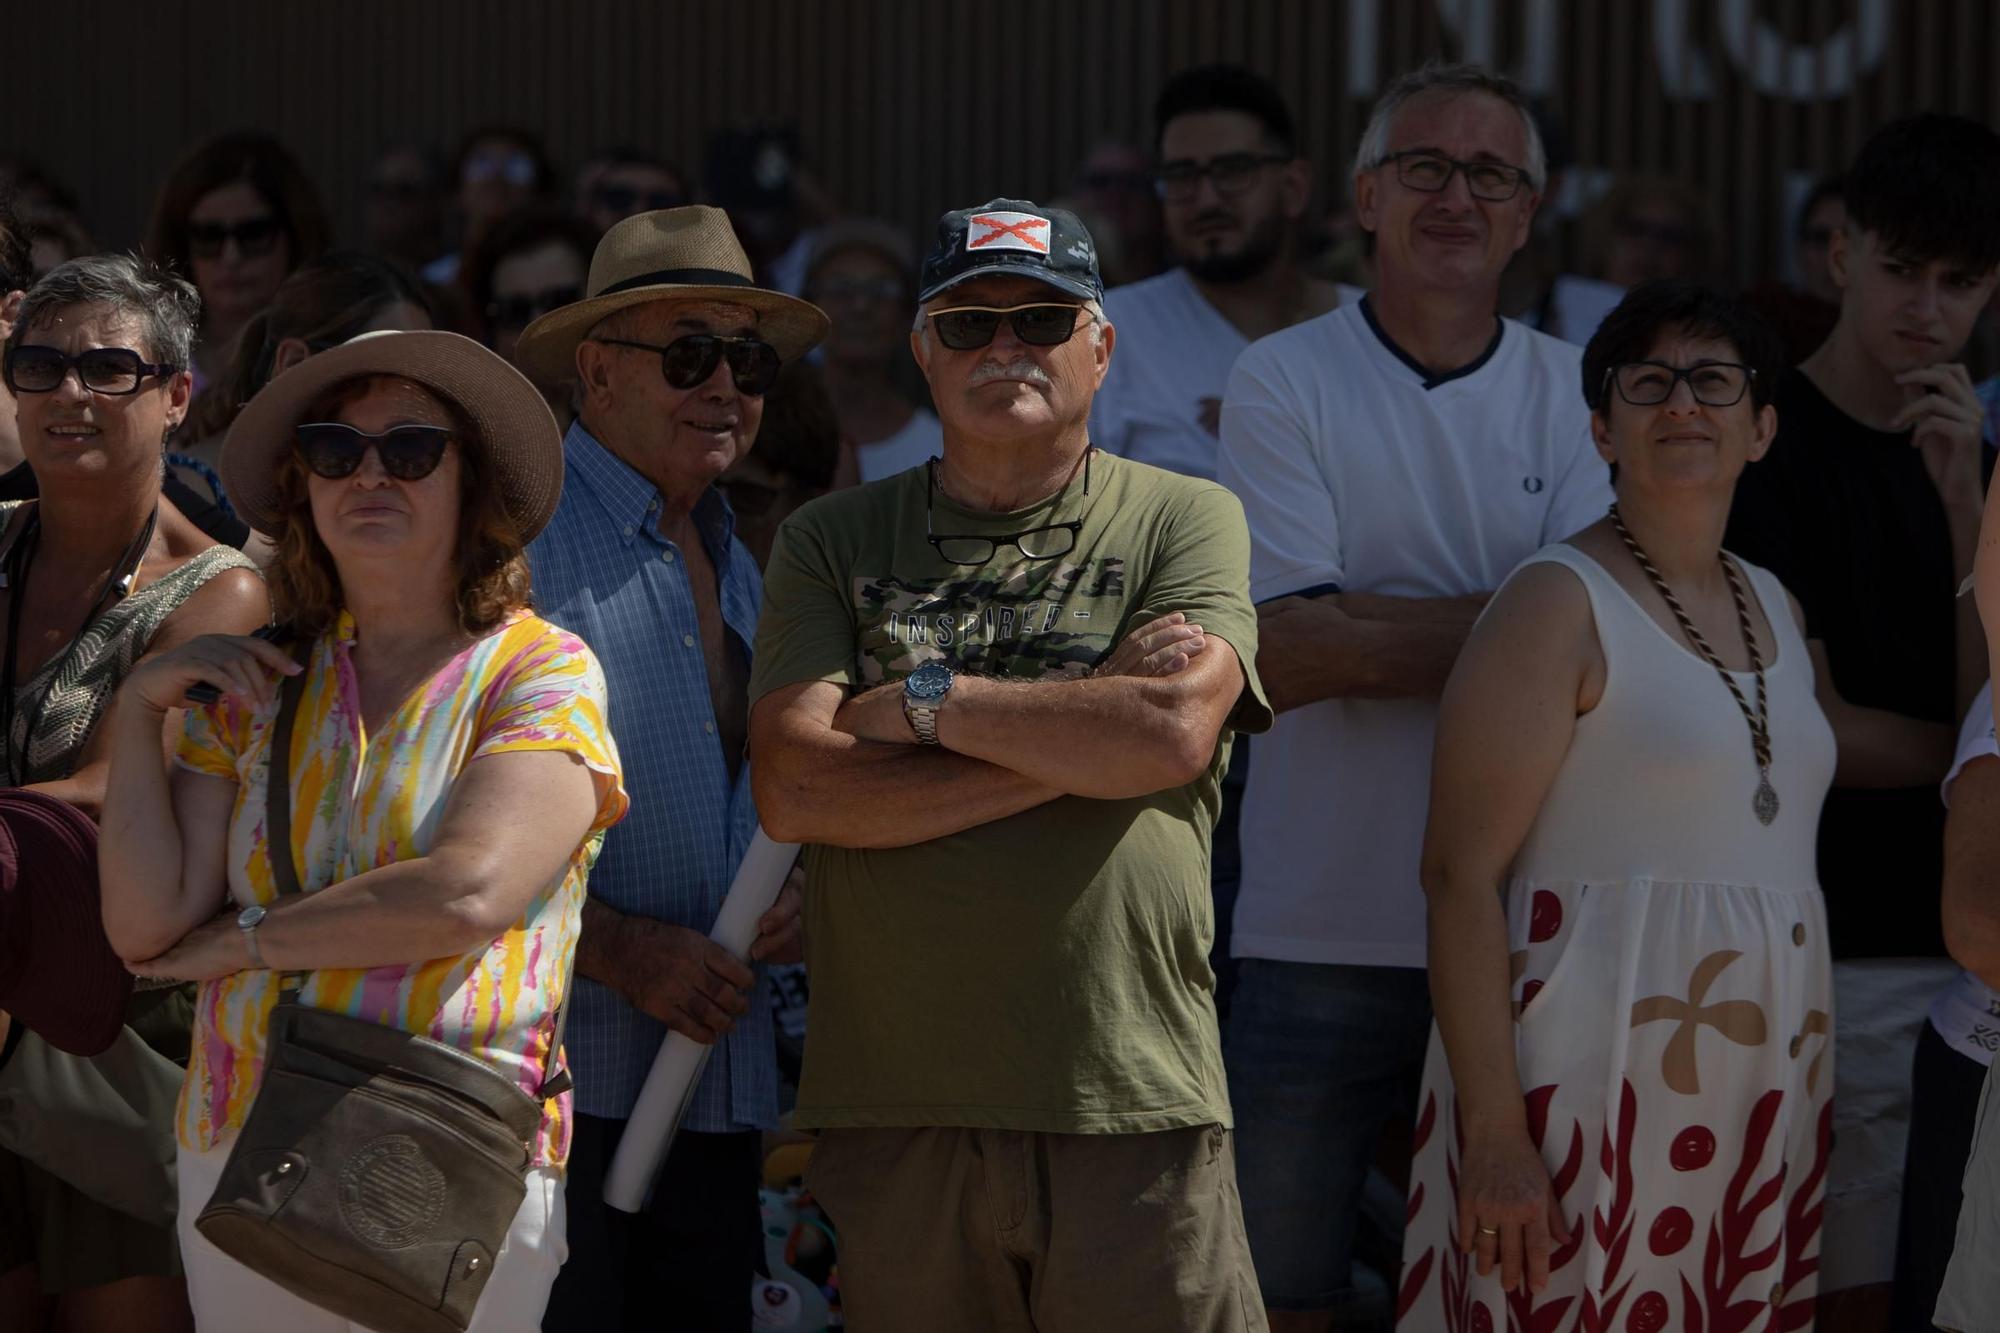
x=1233, y=191
x=1868, y=507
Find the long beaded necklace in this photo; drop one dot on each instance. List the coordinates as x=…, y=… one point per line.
x=1765, y=802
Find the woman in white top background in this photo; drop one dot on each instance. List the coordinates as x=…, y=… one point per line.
x=1625, y=1105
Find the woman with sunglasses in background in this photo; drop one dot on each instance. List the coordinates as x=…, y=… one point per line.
x=236, y=215
x=864, y=275
x=96, y=575
x=325, y=302
x=449, y=775
x=534, y=260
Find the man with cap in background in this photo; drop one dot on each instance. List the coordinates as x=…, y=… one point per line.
x=672, y=350
x=995, y=694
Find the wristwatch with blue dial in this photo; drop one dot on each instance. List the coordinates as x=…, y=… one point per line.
x=924, y=692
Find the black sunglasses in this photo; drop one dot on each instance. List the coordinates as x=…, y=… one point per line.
x=688, y=362
x=517, y=312
x=1043, y=324
x=106, y=370
x=333, y=449
x=255, y=237
x=1042, y=543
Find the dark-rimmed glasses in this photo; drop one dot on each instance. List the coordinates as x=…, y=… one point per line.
x=106, y=370
x=1178, y=181
x=1495, y=182
x=334, y=449
x=688, y=362
x=964, y=328
x=1650, y=383
x=253, y=237
x=1041, y=543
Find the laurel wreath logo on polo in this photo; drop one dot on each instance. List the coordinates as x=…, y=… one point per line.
x=391, y=1193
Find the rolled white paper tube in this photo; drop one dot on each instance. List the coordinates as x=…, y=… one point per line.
x=677, y=1068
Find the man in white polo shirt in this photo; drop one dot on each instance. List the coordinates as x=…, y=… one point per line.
x=1395, y=459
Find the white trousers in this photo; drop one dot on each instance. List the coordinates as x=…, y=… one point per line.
x=227, y=1297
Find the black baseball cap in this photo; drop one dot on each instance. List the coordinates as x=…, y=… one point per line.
x=1016, y=237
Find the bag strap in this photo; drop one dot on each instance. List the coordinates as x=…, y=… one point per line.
x=284, y=867
x=278, y=798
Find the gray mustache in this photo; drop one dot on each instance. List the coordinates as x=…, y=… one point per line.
x=1022, y=369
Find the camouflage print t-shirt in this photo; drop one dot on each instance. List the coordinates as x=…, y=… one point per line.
x=1047, y=971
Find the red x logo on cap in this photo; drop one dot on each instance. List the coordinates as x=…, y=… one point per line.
x=1008, y=231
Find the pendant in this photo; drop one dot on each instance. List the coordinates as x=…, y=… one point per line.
x=1765, y=802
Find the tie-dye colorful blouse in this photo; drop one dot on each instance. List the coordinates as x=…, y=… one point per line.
x=361, y=802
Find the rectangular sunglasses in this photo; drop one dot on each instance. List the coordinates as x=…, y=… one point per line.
x=1039, y=324
x=332, y=449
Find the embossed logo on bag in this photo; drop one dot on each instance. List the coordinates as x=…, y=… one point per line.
x=390, y=1193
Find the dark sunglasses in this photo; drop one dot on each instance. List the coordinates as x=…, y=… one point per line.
x=105, y=370
x=517, y=312
x=625, y=199
x=332, y=449
x=688, y=362
x=1043, y=324
x=255, y=237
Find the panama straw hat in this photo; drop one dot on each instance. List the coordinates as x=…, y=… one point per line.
x=674, y=254
x=518, y=434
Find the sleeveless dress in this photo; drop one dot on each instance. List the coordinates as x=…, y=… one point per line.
x=1674, y=1008
x=77, y=1240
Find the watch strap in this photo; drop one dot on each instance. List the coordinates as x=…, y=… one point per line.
x=923, y=721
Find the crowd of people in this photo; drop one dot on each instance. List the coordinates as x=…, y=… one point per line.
x=405, y=643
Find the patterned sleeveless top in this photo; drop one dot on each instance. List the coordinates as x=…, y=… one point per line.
x=72, y=689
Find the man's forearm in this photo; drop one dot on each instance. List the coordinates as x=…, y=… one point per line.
x=840, y=791
x=1877, y=748
x=1357, y=659
x=597, y=955
x=1108, y=737
x=1460, y=611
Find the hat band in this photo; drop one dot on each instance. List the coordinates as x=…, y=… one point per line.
x=679, y=277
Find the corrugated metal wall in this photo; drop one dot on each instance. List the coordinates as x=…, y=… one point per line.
x=906, y=106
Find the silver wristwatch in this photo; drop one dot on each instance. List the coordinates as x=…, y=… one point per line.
x=247, y=921
x=924, y=692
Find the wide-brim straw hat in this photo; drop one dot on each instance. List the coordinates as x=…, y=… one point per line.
x=58, y=975
x=674, y=254
x=518, y=435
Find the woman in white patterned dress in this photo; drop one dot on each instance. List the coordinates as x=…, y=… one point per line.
x=1624, y=1116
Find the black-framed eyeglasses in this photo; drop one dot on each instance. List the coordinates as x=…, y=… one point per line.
x=334, y=449
x=1041, y=543
x=1495, y=182
x=628, y=200
x=1178, y=181
x=964, y=328
x=107, y=370
x=1650, y=383
x=517, y=312
x=688, y=362
x=253, y=237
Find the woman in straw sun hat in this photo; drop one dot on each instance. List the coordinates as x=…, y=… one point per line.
x=450, y=772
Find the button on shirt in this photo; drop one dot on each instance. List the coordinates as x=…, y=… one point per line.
x=603, y=571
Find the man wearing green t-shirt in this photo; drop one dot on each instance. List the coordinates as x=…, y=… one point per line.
x=995, y=695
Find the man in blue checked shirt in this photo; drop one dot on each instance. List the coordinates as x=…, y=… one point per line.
x=672, y=351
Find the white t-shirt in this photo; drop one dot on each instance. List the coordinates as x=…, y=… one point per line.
x=1360, y=472
x=1967, y=1012
x=1168, y=371
x=920, y=440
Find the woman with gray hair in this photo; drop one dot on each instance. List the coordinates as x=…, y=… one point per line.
x=98, y=573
